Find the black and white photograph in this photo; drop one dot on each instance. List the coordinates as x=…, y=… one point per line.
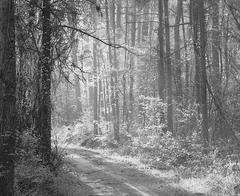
x=119, y=97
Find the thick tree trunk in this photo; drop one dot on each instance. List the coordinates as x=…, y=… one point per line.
x=46, y=69
x=7, y=97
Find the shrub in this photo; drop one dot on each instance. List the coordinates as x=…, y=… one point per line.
x=32, y=177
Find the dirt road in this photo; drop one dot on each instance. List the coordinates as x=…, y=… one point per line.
x=103, y=176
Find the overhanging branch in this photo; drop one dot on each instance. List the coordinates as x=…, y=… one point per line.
x=118, y=46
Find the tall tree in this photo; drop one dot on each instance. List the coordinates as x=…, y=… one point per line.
x=199, y=38
x=161, y=72
x=125, y=113
x=7, y=96
x=203, y=38
x=73, y=22
x=169, y=69
x=95, y=61
x=116, y=101
x=113, y=63
x=178, y=70
x=194, y=19
x=216, y=74
x=44, y=128
x=187, y=64
x=132, y=60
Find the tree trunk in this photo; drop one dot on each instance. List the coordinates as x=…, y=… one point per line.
x=139, y=26
x=76, y=80
x=125, y=113
x=95, y=75
x=203, y=39
x=78, y=96
x=187, y=67
x=46, y=69
x=119, y=13
x=132, y=64
x=95, y=96
x=114, y=96
x=8, y=117
x=196, y=41
x=169, y=70
x=161, y=72
x=216, y=74
x=178, y=52
x=116, y=123
x=100, y=104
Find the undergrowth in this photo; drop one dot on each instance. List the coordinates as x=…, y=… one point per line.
x=150, y=142
x=32, y=176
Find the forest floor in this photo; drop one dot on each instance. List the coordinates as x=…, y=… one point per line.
x=92, y=173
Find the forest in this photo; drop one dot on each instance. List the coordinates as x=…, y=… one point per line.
x=119, y=97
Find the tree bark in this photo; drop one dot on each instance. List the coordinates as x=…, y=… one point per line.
x=46, y=69
x=95, y=76
x=132, y=64
x=7, y=97
x=113, y=64
x=194, y=16
x=178, y=69
x=76, y=80
x=119, y=13
x=203, y=38
x=161, y=72
x=187, y=66
x=95, y=97
x=125, y=113
x=116, y=123
x=216, y=74
x=169, y=70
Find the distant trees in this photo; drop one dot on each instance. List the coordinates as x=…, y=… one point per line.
x=8, y=112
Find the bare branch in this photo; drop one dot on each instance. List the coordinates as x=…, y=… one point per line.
x=118, y=46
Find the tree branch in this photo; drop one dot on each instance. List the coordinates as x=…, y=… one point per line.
x=98, y=39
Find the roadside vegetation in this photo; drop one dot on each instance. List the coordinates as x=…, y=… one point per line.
x=185, y=160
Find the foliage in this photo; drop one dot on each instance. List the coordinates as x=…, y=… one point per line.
x=32, y=176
